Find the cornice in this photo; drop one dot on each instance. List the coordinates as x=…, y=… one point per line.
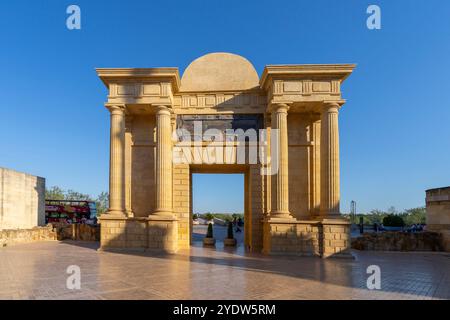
x=107, y=75
x=338, y=71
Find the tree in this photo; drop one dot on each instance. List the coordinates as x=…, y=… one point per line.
x=393, y=220
x=391, y=210
x=209, y=216
x=54, y=193
x=57, y=193
x=415, y=216
x=409, y=216
x=77, y=196
x=102, y=202
x=375, y=216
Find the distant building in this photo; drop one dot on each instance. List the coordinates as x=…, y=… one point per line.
x=22, y=200
x=438, y=213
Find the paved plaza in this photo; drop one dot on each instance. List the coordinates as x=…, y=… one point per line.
x=38, y=271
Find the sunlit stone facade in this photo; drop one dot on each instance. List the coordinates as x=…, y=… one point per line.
x=292, y=209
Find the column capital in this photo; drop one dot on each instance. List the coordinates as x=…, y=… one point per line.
x=163, y=110
x=116, y=108
x=280, y=107
x=330, y=106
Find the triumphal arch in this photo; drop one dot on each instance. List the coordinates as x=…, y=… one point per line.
x=280, y=130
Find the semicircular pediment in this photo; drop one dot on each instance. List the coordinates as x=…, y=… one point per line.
x=219, y=72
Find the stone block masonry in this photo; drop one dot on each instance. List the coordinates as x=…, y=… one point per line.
x=50, y=232
x=438, y=214
x=292, y=173
x=139, y=234
x=399, y=241
x=322, y=238
x=17, y=236
x=22, y=200
x=83, y=232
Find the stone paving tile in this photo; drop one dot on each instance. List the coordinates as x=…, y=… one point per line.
x=38, y=271
x=131, y=294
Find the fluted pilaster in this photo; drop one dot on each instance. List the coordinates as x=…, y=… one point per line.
x=117, y=161
x=163, y=162
x=329, y=149
x=281, y=209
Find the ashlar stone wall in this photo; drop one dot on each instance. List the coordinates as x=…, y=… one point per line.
x=22, y=200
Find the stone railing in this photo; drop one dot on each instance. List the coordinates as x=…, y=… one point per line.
x=399, y=241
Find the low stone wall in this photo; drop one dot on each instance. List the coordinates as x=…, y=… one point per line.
x=445, y=234
x=11, y=237
x=399, y=241
x=83, y=232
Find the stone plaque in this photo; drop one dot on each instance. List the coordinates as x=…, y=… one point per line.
x=221, y=123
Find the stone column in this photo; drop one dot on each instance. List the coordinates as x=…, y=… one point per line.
x=267, y=177
x=163, y=162
x=117, y=161
x=128, y=163
x=281, y=209
x=329, y=156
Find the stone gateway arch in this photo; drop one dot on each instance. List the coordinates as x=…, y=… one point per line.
x=164, y=129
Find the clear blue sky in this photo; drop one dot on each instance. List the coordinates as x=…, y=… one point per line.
x=395, y=128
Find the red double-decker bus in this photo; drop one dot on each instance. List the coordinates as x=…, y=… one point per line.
x=70, y=211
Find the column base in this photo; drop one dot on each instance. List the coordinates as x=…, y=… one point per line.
x=116, y=213
x=161, y=214
x=336, y=237
x=329, y=215
x=129, y=213
x=289, y=236
x=281, y=215
x=324, y=238
x=152, y=234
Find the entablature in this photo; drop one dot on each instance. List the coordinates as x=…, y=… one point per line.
x=151, y=86
x=304, y=85
x=253, y=101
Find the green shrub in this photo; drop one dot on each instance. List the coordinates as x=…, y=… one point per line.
x=209, y=216
x=393, y=220
x=209, y=233
x=230, y=231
